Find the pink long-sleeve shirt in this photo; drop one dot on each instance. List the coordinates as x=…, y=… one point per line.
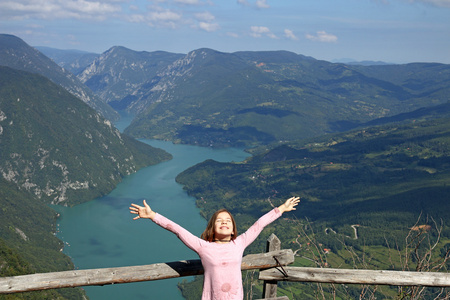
x=221, y=262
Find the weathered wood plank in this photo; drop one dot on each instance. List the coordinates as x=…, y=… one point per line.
x=372, y=277
x=266, y=260
x=105, y=276
x=270, y=286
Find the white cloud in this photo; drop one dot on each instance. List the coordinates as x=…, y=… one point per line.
x=262, y=4
x=134, y=7
x=243, y=2
x=205, y=21
x=439, y=3
x=257, y=4
x=163, y=18
x=208, y=26
x=156, y=17
x=205, y=16
x=259, y=31
x=55, y=9
x=136, y=18
x=158, y=13
x=188, y=2
x=385, y=2
x=290, y=34
x=322, y=36
x=232, y=34
x=90, y=7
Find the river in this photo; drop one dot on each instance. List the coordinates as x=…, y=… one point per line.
x=102, y=234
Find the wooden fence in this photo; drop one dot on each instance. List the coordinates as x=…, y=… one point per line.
x=272, y=265
x=75, y=278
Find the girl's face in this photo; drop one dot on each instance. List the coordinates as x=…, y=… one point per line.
x=223, y=226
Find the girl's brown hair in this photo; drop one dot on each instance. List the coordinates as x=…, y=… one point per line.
x=208, y=234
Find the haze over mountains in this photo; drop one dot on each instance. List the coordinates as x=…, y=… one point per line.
x=73, y=61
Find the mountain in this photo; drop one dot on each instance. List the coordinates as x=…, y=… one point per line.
x=74, y=61
x=246, y=99
x=15, y=53
x=254, y=98
x=57, y=147
x=368, y=63
x=421, y=114
x=421, y=79
x=349, y=61
x=118, y=74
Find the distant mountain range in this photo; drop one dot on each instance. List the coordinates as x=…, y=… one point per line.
x=119, y=75
x=74, y=61
x=349, y=61
x=208, y=97
x=248, y=99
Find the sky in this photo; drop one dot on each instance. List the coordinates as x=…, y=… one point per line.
x=394, y=31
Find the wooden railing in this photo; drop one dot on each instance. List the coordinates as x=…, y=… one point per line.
x=45, y=281
x=272, y=265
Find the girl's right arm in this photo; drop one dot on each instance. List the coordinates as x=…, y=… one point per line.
x=185, y=236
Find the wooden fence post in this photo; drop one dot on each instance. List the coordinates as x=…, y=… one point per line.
x=270, y=286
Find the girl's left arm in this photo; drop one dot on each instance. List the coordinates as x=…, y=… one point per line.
x=289, y=205
x=252, y=233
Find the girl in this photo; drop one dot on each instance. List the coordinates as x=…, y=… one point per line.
x=220, y=248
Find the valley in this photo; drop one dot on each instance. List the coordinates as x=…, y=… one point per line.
x=366, y=147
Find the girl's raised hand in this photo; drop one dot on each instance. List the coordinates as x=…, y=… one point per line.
x=144, y=212
x=289, y=205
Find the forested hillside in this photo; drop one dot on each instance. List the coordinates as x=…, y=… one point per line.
x=360, y=177
x=363, y=190
x=57, y=147
x=27, y=241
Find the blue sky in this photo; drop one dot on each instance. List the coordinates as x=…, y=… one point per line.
x=398, y=31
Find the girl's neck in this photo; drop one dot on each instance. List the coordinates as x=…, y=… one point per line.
x=223, y=241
